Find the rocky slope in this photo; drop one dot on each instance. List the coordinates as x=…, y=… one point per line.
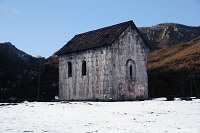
x=168, y=34
x=175, y=70
x=180, y=56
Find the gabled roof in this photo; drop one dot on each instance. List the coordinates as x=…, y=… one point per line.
x=96, y=38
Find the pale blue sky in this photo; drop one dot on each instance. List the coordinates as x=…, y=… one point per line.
x=42, y=27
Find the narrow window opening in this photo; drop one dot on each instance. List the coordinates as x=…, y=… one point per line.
x=83, y=68
x=130, y=70
x=131, y=73
x=69, y=69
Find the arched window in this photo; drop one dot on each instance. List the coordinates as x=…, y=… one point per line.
x=130, y=69
x=69, y=69
x=83, y=68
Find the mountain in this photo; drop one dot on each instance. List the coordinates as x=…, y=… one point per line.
x=14, y=60
x=177, y=57
x=175, y=70
x=168, y=34
x=22, y=75
x=173, y=66
x=18, y=71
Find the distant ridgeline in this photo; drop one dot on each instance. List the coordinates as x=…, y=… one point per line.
x=173, y=66
x=169, y=34
x=19, y=74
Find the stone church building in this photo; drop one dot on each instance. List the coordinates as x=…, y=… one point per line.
x=104, y=64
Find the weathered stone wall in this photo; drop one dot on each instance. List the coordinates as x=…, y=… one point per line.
x=95, y=84
x=107, y=74
x=129, y=47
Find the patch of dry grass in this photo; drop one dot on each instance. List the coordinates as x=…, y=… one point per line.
x=177, y=57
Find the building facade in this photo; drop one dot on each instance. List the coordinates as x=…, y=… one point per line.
x=105, y=64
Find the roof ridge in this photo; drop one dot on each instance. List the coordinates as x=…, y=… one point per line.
x=96, y=38
x=130, y=21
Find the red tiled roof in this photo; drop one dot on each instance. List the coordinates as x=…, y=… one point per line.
x=96, y=38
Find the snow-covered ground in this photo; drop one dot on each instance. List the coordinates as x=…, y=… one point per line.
x=156, y=116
